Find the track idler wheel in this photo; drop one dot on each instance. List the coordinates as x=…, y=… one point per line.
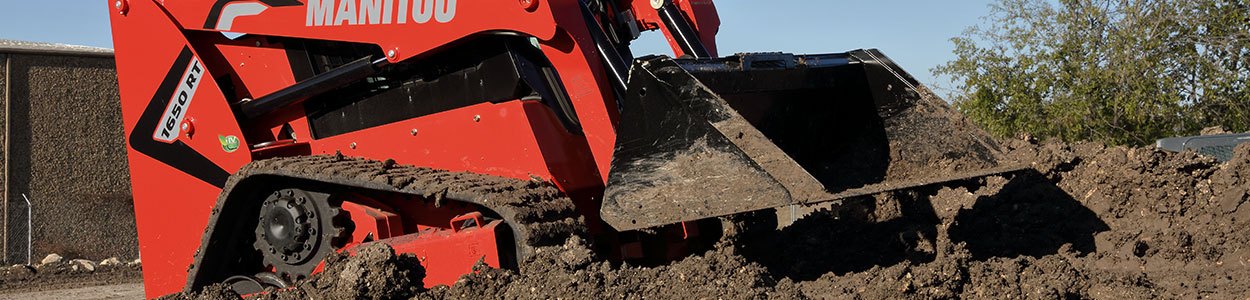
x=245, y=285
x=298, y=229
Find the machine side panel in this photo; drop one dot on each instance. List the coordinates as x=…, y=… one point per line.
x=558, y=25
x=176, y=170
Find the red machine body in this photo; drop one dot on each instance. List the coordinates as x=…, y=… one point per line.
x=518, y=139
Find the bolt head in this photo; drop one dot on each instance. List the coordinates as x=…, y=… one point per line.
x=477, y=118
x=121, y=6
x=352, y=145
x=390, y=53
x=657, y=4
x=528, y=5
x=414, y=131
x=186, y=126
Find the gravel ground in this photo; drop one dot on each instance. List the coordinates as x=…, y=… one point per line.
x=55, y=273
x=99, y=292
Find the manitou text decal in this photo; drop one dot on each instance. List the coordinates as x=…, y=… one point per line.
x=373, y=12
x=170, y=125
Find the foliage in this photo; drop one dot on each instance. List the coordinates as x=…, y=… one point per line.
x=1122, y=72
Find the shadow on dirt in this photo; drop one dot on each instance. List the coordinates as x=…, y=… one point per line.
x=1028, y=216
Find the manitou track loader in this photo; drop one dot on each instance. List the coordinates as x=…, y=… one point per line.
x=265, y=135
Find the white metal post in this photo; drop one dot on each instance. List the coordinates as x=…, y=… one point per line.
x=30, y=236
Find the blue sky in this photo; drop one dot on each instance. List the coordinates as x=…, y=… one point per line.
x=914, y=33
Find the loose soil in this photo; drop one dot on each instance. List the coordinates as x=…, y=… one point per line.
x=1088, y=222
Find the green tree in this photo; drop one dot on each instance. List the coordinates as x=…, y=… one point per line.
x=1122, y=72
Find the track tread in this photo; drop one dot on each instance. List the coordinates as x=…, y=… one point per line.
x=538, y=212
x=546, y=217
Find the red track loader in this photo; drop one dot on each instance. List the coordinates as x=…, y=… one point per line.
x=265, y=135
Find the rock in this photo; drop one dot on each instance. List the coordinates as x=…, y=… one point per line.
x=576, y=254
x=82, y=265
x=111, y=261
x=51, y=259
x=1214, y=130
x=18, y=271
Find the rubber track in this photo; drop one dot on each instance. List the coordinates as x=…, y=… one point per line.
x=539, y=214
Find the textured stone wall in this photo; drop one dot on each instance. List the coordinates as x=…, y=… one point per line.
x=68, y=155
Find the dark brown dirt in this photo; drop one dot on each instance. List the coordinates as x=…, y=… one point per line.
x=1090, y=222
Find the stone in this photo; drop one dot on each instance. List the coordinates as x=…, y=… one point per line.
x=111, y=261
x=1213, y=130
x=82, y=265
x=51, y=259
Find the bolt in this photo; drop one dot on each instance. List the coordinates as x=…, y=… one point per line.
x=296, y=255
x=271, y=251
x=477, y=118
x=257, y=43
x=529, y=5
x=353, y=145
x=414, y=131
x=657, y=4
x=390, y=53
x=122, y=6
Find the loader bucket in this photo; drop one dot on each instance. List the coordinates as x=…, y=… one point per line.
x=702, y=138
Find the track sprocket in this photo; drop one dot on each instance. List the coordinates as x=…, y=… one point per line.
x=298, y=229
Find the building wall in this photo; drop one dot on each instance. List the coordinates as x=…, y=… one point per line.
x=68, y=156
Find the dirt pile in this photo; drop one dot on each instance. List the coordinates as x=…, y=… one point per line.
x=1089, y=222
